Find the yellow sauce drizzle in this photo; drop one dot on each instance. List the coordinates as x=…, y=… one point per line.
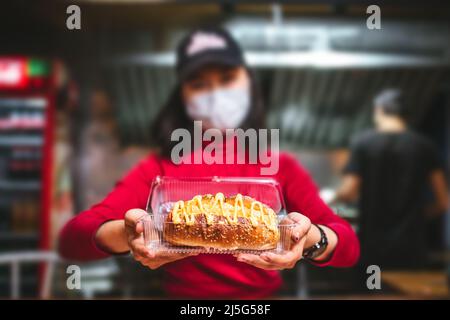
x=187, y=210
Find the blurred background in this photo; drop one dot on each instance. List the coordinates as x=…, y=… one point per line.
x=76, y=108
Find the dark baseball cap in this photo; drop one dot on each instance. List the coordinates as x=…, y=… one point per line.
x=206, y=46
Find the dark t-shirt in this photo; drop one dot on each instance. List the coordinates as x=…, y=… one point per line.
x=394, y=169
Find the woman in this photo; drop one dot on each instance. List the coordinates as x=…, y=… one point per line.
x=215, y=86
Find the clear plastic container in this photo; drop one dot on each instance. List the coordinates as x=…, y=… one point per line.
x=166, y=191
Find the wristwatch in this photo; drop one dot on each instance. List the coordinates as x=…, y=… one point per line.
x=318, y=248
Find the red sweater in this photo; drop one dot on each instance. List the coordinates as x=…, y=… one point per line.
x=209, y=276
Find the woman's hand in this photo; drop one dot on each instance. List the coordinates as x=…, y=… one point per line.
x=288, y=259
x=134, y=231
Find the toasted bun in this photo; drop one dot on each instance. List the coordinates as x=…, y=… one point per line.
x=214, y=222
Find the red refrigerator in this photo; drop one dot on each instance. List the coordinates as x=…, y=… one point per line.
x=27, y=96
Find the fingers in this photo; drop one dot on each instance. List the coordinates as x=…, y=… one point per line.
x=159, y=259
x=148, y=258
x=299, y=232
x=139, y=227
x=287, y=259
x=133, y=216
x=256, y=261
x=303, y=224
x=151, y=263
x=162, y=255
x=293, y=232
x=133, y=225
x=296, y=217
x=274, y=261
x=138, y=248
x=283, y=260
x=298, y=247
x=173, y=256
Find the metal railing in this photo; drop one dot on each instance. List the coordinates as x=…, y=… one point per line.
x=15, y=259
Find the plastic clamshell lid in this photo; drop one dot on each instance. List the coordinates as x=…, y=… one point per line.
x=168, y=190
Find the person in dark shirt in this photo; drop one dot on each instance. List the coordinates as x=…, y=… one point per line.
x=389, y=171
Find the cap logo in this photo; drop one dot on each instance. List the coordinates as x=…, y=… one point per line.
x=202, y=41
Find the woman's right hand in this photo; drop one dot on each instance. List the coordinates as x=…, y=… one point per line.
x=134, y=230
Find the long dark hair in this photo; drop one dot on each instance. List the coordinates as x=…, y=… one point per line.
x=173, y=116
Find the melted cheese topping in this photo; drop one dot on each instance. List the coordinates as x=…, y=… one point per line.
x=211, y=206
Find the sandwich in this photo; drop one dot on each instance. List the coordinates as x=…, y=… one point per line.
x=226, y=223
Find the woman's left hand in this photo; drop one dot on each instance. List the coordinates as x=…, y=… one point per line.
x=287, y=259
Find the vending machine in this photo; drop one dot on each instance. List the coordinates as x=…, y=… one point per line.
x=27, y=97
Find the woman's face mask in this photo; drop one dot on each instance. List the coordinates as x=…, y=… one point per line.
x=221, y=108
x=219, y=96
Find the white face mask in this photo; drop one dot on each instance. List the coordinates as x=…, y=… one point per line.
x=222, y=108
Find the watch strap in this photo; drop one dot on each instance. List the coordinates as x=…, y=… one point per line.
x=318, y=248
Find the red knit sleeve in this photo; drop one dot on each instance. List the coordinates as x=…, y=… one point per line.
x=301, y=195
x=76, y=240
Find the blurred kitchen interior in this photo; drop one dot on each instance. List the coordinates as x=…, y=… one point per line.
x=319, y=67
